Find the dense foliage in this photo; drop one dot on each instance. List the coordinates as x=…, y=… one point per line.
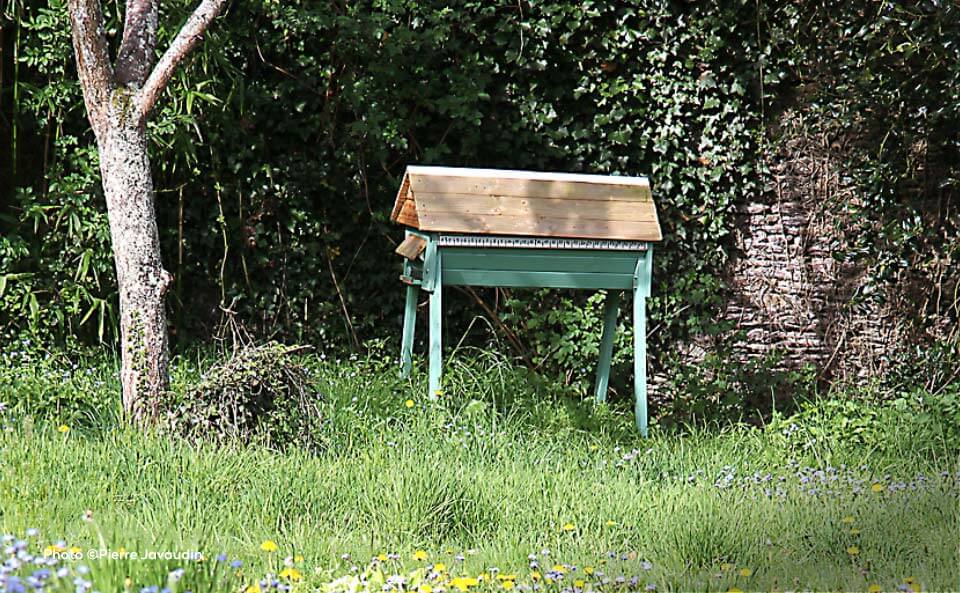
x=277, y=153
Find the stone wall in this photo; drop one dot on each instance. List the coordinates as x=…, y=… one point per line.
x=789, y=291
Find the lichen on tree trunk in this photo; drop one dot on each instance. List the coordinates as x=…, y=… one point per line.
x=141, y=278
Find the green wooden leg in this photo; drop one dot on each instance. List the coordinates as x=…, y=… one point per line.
x=436, y=326
x=409, y=323
x=641, y=290
x=640, y=360
x=611, y=309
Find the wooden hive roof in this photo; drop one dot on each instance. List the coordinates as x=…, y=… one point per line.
x=526, y=203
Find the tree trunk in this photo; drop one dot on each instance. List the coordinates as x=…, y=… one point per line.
x=142, y=281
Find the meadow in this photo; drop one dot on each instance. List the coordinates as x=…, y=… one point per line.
x=503, y=482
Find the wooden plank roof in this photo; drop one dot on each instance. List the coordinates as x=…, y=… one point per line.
x=531, y=203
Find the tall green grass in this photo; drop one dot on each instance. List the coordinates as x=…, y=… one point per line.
x=502, y=467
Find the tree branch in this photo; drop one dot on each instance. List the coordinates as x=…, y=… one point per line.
x=139, y=42
x=187, y=39
x=93, y=60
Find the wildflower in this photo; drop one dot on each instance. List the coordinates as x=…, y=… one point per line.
x=726, y=567
x=439, y=567
x=877, y=487
x=298, y=558
x=588, y=570
x=847, y=520
x=853, y=550
x=53, y=549
x=382, y=557
x=579, y=583
x=464, y=583
x=438, y=393
x=63, y=429
x=236, y=564
x=507, y=585
x=611, y=523
x=88, y=515
x=874, y=589
x=269, y=546
x=734, y=590
x=291, y=574
x=559, y=568
x=254, y=588
x=535, y=576
x=76, y=551
x=425, y=589
x=745, y=572
x=568, y=527
x=854, y=531
x=420, y=555
x=408, y=403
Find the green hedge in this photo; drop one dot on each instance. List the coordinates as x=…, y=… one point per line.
x=278, y=152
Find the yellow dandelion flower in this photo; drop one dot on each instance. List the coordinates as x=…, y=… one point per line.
x=291, y=574
x=425, y=589
x=63, y=429
x=439, y=567
x=438, y=393
x=853, y=550
x=75, y=550
x=588, y=570
x=745, y=572
x=559, y=568
x=910, y=580
x=874, y=589
x=382, y=557
x=269, y=546
x=408, y=403
x=254, y=588
x=507, y=585
x=726, y=567
x=464, y=583
x=506, y=577
x=579, y=583
x=734, y=590
x=535, y=576
x=568, y=527
x=128, y=583
x=53, y=549
x=122, y=552
x=877, y=487
x=847, y=520
x=611, y=523
x=854, y=531
x=420, y=555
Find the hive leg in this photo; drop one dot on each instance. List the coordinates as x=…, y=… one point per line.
x=409, y=323
x=640, y=360
x=641, y=290
x=610, y=310
x=436, y=318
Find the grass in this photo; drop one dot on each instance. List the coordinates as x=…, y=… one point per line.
x=503, y=471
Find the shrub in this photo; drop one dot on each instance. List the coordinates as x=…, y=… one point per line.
x=260, y=392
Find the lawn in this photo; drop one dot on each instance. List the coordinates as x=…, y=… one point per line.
x=502, y=483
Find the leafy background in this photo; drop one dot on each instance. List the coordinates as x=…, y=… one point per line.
x=278, y=151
